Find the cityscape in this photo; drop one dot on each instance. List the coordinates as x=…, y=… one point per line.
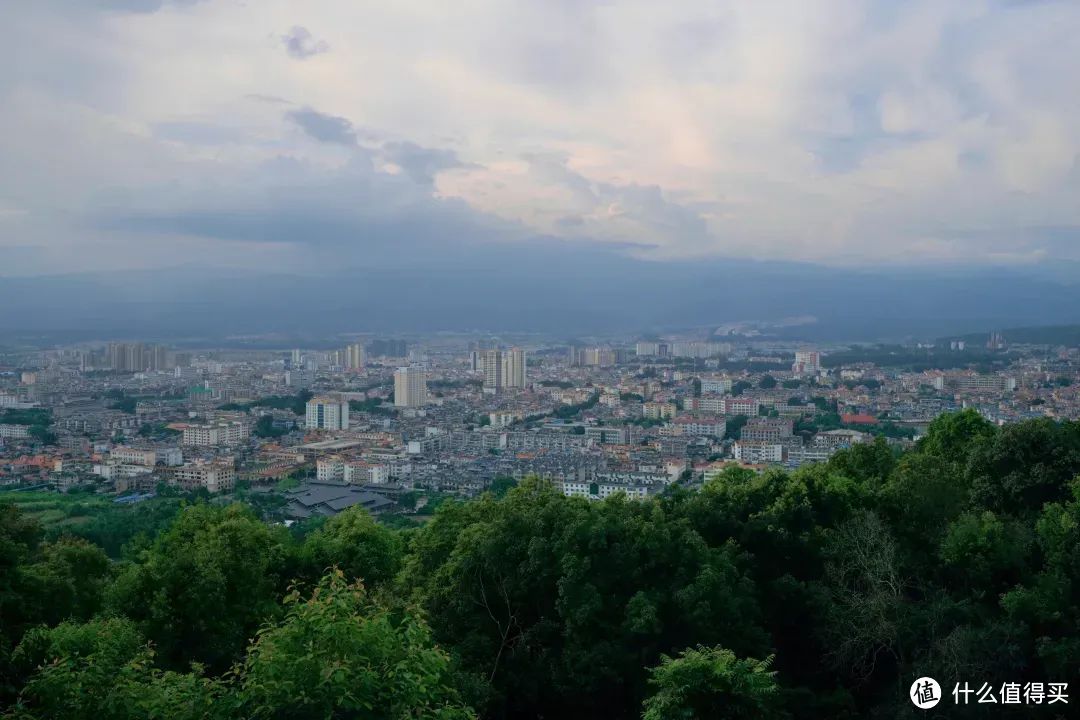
x=382, y=418
x=539, y=359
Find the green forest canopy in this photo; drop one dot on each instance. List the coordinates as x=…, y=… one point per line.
x=819, y=593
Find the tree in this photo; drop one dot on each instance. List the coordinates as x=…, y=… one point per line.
x=707, y=683
x=340, y=654
x=735, y=425
x=559, y=603
x=865, y=461
x=19, y=540
x=361, y=548
x=68, y=580
x=104, y=669
x=767, y=382
x=1048, y=601
x=739, y=387
x=502, y=485
x=204, y=585
x=29, y=416
x=952, y=435
x=870, y=605
x=42, y=434
x=264, y=428
x=1023, y=466
x=125, y=404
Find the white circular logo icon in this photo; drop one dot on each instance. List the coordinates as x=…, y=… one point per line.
x=925, y=693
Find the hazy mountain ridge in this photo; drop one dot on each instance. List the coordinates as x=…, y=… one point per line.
x=549, y=290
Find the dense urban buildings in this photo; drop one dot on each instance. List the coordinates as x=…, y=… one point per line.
x=645, y=413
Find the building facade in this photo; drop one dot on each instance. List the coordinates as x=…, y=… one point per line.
x=327, y=413
x=410, y=387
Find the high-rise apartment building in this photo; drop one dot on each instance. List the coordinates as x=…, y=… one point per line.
x=599, y=357
x=513, y=368
x=327, y=413
x=157, y=358
x=493, y=370
x=410, y=387
x=136, y=357
x=388, y=348
x=354, y=356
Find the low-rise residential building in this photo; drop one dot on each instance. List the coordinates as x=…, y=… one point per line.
x=759, y=451
x=330, y=469
x=366, y=473
x=766, y=429
x=700, y=426
x=658, y=410
x=215, y=476
x=148, y=457
x=215, y=434
x=839, y=438
x=14, y=432
x=606, y=435
x=716, y=385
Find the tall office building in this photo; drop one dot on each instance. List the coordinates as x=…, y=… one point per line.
x=354, y=356
x=513, y=368
x=410, y=387
x=327, y=413
x=493, y=370
x=296, y=358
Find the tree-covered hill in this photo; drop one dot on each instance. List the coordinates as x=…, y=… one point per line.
x=820, y=593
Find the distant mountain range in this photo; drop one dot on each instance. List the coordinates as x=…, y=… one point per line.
x=543, y=289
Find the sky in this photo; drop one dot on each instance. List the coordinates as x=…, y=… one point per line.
x=293, y=136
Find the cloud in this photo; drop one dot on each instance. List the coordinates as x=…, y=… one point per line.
x=324, y=128
x=198, y=133
x=269, y=99
x=420, y=163
x=141, y=6
x=945, y=132
x=301, y=45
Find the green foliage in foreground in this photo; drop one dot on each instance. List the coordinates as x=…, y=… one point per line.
x=336, y=653
x=820, y=593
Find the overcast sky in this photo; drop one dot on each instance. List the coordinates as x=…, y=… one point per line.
x=288, y=135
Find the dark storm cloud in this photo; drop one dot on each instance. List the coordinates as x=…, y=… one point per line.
x=300, y=44
x=324, y=128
